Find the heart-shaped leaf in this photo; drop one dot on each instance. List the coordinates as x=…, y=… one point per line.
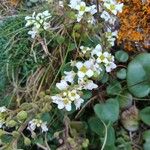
x=138, y=75
x=114, y=88
x=109, y=111
x=96, y=125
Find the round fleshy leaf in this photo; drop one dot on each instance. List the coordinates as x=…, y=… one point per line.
x=122, y=73
x=145, y=115
x=121, y=56
x=125, y=100
x=138, y=75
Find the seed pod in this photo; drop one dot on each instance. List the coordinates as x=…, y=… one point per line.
x=11, y=123
x=22, y=115
x=130, y=119
x=2, y=132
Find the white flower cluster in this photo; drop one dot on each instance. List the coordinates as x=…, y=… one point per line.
x=111, y=8
x=83, y=9
x=37, y=123
x=3, y=109
x=71, y=90
x=38, y=22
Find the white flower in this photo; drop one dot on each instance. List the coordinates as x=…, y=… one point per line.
x=111, y=36
x=110, y=66
x=87, y=84
x=85, y=69
x=38, y=22
x=62, y=85
x=37, y=123
x=30, y=20
x=44, y=127
x=73, y=95
x=113, y=6
x=74, y=3
x=92, y=9
x=102, y=57
x=46, y=25
x=3, y=109
x=61, y=3
x=84, y=49
x=82, y=8
x=78, y=102
x=91, y=19
x=69, y=76
x=46, y=15
x=96, y=50
x=62, y=102
x=105, y=15
x=33, y=32
x=79, y=17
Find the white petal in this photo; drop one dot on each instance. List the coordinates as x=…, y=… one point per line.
x=79, y=65
x=80, y=74
x=61, y=105
x=89, y=73
x=68, y=107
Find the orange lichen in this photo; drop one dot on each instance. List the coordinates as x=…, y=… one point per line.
x=14, y=2
x=135, y=24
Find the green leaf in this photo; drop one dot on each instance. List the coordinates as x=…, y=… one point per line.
x=110, y=147
x=5, y=101
x=79, y=126
x=34, y=1
x=6, y=138
x=138, y=75
x=109, y=111
x=146, y=146
x=46, y=117
x=146, y=135
x=122, y=56
x=96, y=125
x=125, y=100
x=122, y=73
x=66, y=67
x=114, y=88
x=110, y=136
x=86, y=94
x=105, y=78
x=71, y=47
x=60, y=39
x=145, y=115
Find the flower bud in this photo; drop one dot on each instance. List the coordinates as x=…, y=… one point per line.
x=22, y=115
x=42, y=94
x=27, y=141
x=15, y=134
x=85, y=143
x=56, y=135
x=26, y=106
x=47, y=98
x=48, y=92
x=47, y=108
